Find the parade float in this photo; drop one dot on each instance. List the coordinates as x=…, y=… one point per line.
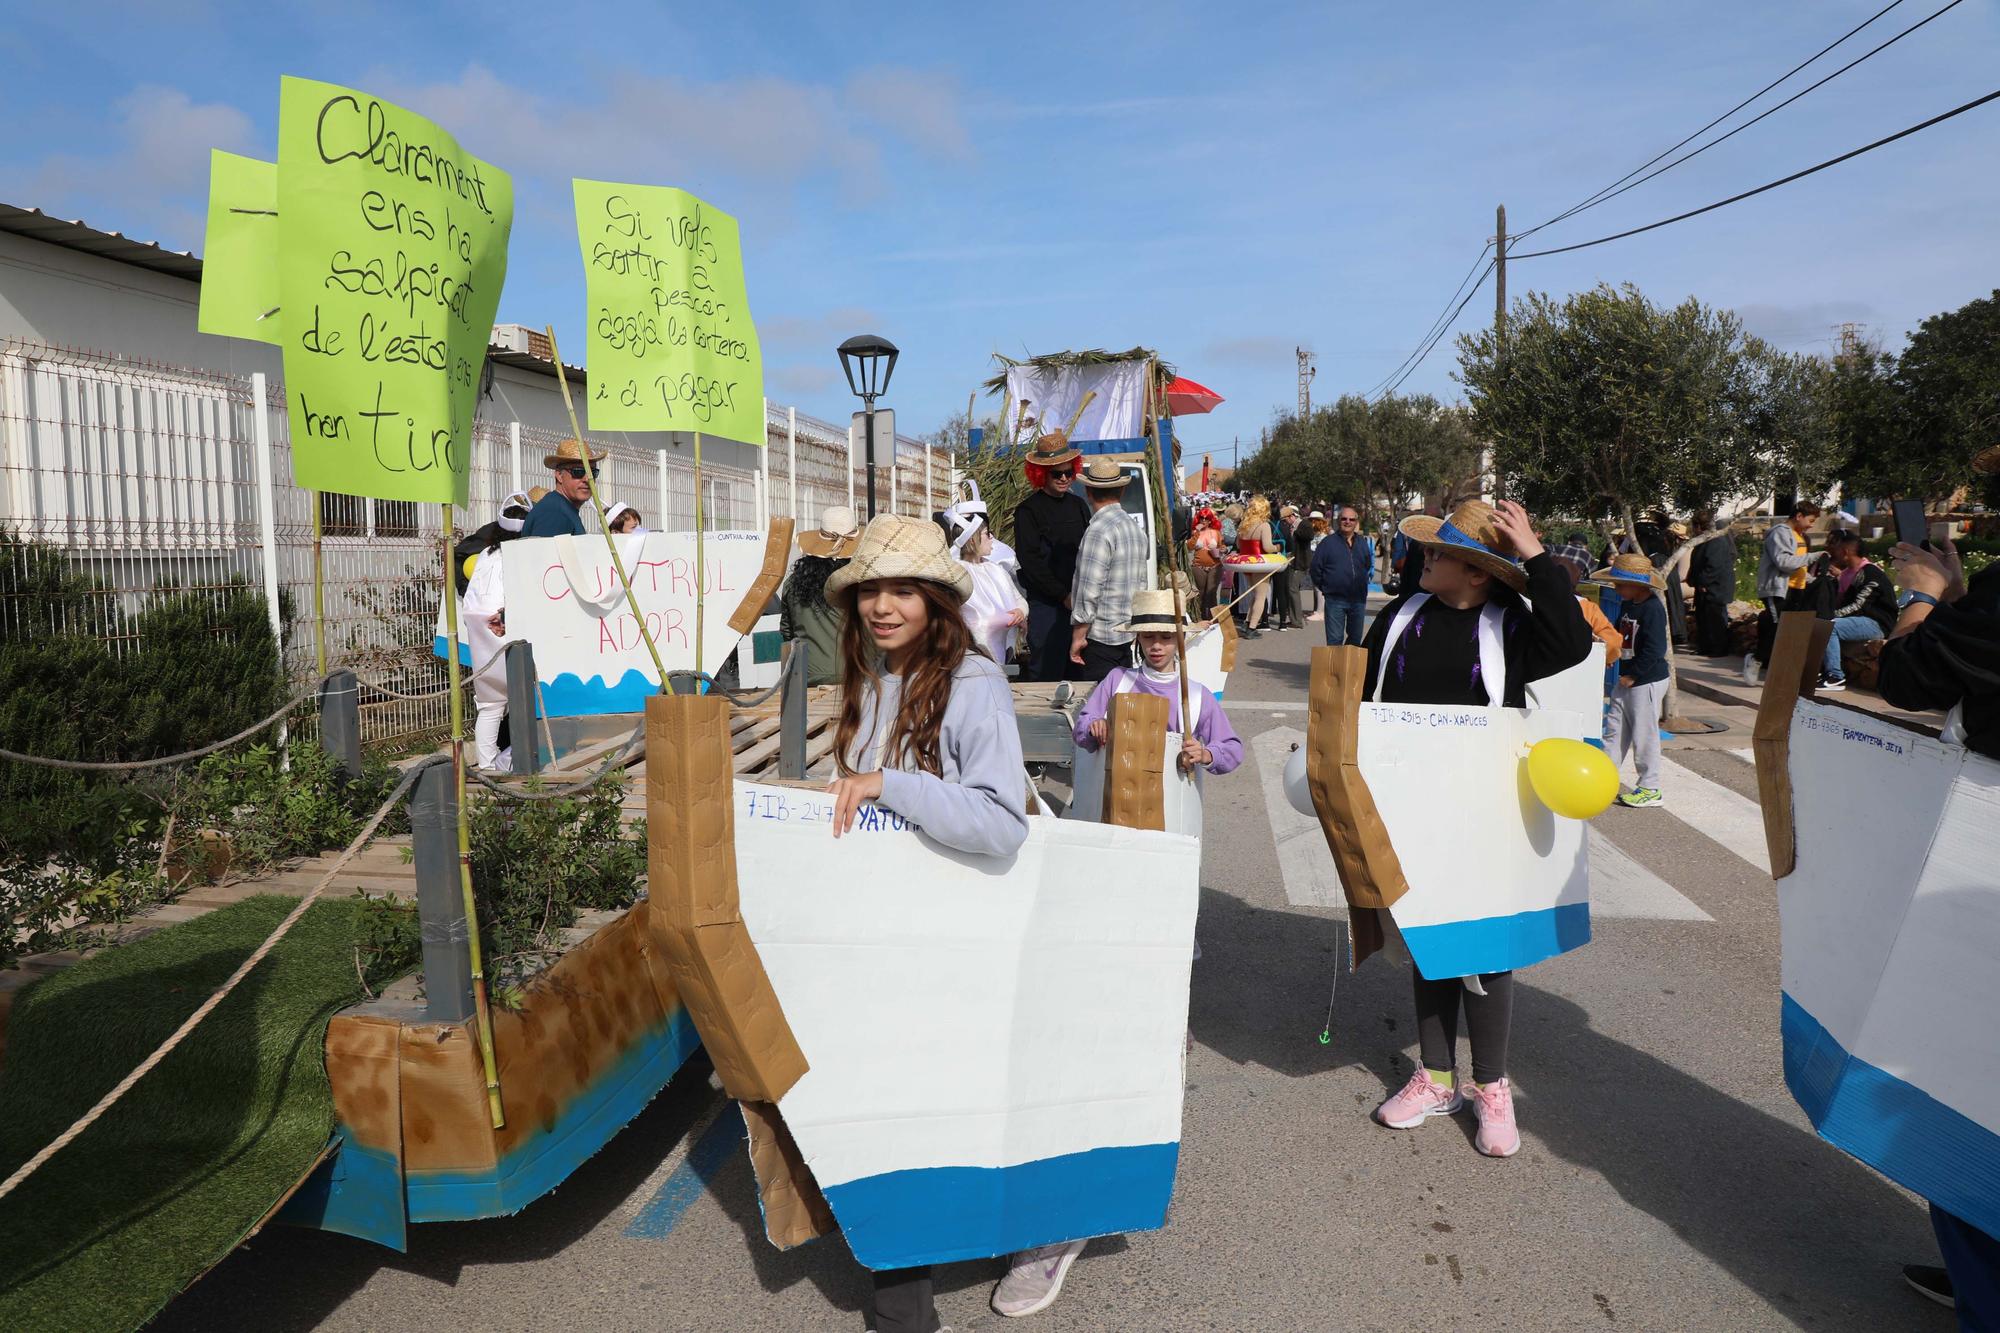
x=1888, y=939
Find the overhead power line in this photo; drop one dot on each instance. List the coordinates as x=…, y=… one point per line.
x=1598, y=197
x=1443, y=317
x=1443, y=327
x=1772, y=185
x=1769, y=111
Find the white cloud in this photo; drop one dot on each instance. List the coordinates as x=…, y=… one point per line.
x=766, y=129
x=153, y=180
x=829, y=329
x=1251, y=351
x=805, y=379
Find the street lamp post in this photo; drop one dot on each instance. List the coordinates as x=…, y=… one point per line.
x=868, y=359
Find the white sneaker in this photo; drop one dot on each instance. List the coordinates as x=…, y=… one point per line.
x=1752, y=673
x=1035, y=1280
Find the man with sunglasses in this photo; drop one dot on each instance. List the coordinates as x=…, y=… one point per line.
x=557, y=513
x=1048, y=529
x=1341, y=566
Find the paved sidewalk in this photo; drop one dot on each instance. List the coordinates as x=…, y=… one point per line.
x=1720, y=681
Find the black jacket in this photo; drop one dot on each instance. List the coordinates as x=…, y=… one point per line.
x=1712, y=566
x=1047, y=532
x=1869, y=595
x=1550, y=636
x=1953, y=658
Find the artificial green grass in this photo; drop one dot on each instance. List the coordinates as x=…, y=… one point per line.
x=176, y=1174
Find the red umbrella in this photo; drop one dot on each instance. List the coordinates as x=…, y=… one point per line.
x=1185, y=398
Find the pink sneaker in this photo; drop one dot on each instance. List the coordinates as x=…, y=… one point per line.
x=1493, y=1108
x=1420, y=1099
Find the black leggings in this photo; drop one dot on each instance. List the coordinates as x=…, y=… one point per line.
x=1488, y=1019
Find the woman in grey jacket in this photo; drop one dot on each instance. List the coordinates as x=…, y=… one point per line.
x=1781, y=571
x=926, y=729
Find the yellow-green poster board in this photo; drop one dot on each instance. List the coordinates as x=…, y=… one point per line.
x=239, y=262
x=392, y=252
x=669, y=340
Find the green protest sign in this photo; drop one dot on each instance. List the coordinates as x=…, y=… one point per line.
x=392, y=251
x=239, y=262
x=671, y=345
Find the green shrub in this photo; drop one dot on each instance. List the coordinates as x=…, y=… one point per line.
x=273, y=806
x=538, y=865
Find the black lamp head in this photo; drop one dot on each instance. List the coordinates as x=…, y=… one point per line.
x=874, y=358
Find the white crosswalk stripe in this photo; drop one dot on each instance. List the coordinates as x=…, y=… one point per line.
x=1621, y=887
x=1717, y=812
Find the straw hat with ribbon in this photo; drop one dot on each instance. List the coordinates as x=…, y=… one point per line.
x=1631, y=568
x=895, y=547
x=569, y=451
x=536, y=494
x=839, y=529
x=1053, y=450
x=1469, y=535
x=1152, y=613
x=1102, y=473
x=1987, y=461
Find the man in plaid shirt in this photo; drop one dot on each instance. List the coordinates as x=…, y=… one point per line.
x=1574, y=550
x=1110, y=567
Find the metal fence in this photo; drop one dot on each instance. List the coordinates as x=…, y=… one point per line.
x=145, y=476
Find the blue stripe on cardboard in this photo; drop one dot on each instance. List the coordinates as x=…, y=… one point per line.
x=546, y=1158
x=1895, y=1127
x=357, y=1192
x=1497, y=943
x=942, y=1214
x=688, y=1181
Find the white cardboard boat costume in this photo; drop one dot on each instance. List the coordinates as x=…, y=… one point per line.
x=1389, y=780
x=1181, y=795
x=1889, y=937
x=900, y=1018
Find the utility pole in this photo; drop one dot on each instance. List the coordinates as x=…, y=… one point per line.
x=1850, y=339
x=1500, y=271
x=1306, y=372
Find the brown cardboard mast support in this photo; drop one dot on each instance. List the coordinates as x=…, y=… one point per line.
x=1134, y=762
x=795, y=1211
x=777, y=553
x=691, y=906
x=1370, y=873
x=1795, y=658
x=1227, y=623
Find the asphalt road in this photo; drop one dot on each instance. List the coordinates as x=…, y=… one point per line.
x=1666, y=1181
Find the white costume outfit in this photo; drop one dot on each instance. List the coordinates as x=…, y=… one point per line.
x=484, y=596
x=996, y=592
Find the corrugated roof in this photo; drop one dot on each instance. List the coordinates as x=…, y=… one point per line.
x=80, y=235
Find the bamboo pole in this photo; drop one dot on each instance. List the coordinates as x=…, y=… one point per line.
x=597, y=503
x=482, y=1011
x=319, y=587
x=700, y=575
x=1169, y=545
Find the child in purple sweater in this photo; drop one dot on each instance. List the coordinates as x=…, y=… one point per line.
x=1211, y=743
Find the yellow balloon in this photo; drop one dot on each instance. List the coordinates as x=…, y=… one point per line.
x=471, y=561
x=1574, y=779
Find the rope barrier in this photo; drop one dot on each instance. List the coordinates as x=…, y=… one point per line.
x=136, y=765
x=379, y=687
x=110, y=1099
x=634, y=745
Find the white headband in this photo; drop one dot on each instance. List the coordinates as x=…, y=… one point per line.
x=518, y=500
x=966, y=518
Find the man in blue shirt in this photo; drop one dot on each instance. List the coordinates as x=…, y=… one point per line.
x=1341, y=566
x=556, y=514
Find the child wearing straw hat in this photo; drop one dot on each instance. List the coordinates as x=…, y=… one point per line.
x=1211, y=744
x=926, y=729
x=1634, y=720
x=1471, y=637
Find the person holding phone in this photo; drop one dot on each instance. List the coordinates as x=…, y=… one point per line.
x=1781, y=571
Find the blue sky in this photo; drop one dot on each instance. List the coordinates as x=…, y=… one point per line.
x=1220, y=186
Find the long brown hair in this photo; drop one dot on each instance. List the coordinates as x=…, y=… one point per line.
x=926, y=683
